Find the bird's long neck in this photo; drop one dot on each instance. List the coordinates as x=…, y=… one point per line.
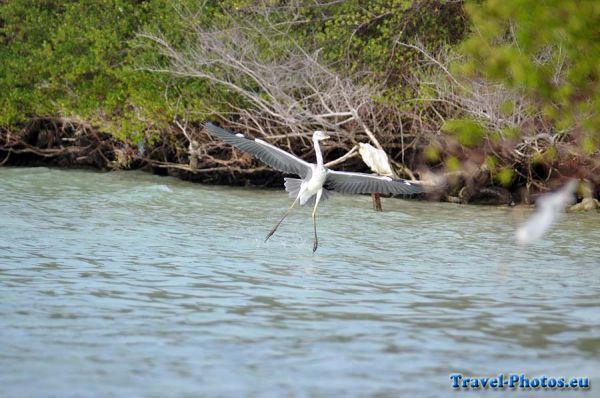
x=318, y=153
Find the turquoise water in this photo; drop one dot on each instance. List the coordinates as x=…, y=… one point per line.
x=127, y=284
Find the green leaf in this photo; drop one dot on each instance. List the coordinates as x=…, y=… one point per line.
x=467, y=131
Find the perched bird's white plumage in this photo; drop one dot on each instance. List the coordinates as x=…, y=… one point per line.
x=315, y=179
x=376, y=159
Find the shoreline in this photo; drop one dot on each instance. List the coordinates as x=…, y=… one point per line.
x=44, y=142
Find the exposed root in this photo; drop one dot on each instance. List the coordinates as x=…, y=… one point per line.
x=64, y=143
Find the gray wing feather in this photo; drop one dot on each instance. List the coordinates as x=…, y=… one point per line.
x=347, y=182
x=267, y=153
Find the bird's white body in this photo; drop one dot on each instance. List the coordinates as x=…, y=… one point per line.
x=376, y=159
x=314, y=186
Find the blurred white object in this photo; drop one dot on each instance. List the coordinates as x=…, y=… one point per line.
x=376, y=159
x=549, y=208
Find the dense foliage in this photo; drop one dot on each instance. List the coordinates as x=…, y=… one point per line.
x=80, y=60
x=550, y=52
x=528, y=95
x=368, y=36
x=525, y=79
x=84, y=59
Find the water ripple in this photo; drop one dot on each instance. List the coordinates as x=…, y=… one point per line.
x=129, y=284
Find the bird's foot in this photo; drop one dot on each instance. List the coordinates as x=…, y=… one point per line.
x=269, y=235
x=315, y=245
x=272, y=231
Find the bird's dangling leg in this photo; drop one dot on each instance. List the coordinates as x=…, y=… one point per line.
x=282, y=218
x=314, y=219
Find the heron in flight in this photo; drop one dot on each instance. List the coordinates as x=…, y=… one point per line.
x=315, y=180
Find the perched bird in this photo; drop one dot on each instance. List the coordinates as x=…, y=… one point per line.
x=315, y=180
x=378, y=162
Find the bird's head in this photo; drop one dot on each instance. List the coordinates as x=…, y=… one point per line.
x=319, y=135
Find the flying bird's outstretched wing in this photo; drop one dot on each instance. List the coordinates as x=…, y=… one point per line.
x=347, y=182
x=267, y=153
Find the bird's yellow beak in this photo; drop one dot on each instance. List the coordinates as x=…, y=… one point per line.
x=320, y=135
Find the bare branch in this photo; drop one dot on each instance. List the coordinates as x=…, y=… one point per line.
x=350, y=154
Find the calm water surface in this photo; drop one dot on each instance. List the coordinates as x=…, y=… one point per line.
x=126, y=284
